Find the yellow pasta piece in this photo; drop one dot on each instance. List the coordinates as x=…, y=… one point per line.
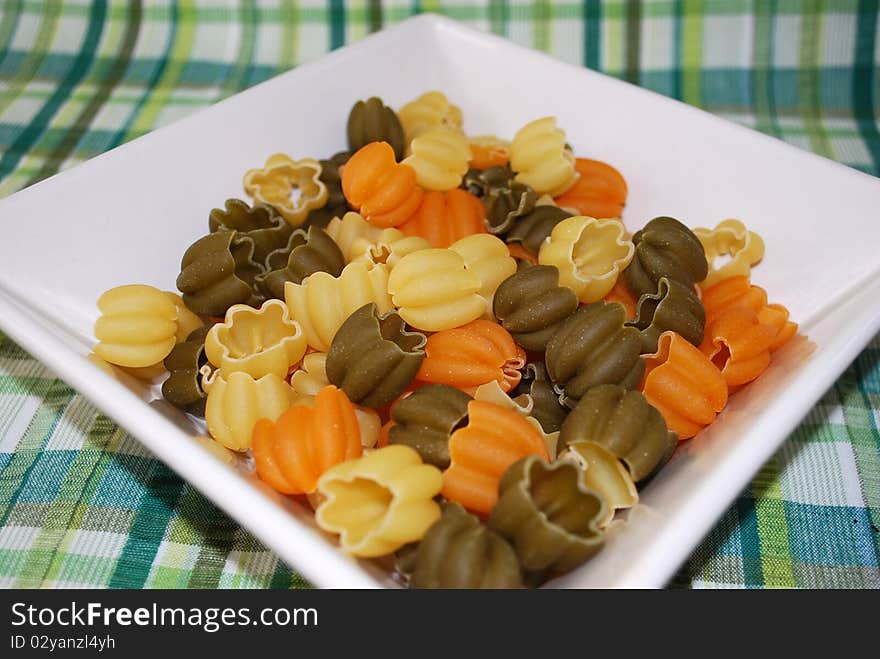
x=492, y=392
x=361, y=241
x=379, y=502
x=187, y=321
x=440, y=158
x=540, y=159
x=589, y=253
x=321, y=303
x=256, y=341
x=311, y=376
x=605, y=474
x=274, y=185
x=489, y=259
x=433, y=290
x=430, y=110
x=137, y=326
x=730, y=238
x=237, y=401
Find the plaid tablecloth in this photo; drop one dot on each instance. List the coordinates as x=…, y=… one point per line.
x=83, y=504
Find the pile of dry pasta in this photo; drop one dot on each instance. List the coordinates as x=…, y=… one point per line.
x=451, y=347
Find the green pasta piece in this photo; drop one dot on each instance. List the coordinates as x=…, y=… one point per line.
x=266, y=227
x=481, y=182
x=593, y=346
x=505, y=205
x=548, y=515
x=546, y=408
x=531, y=305
x=374, y=358
x=183, y=388
x=425, y=419
x=665, y=248
x=458, y=551
x=312, y=251
x=373, y=121
x=674, y=307
x=625, y=424
x=218, y=271
x=336, y=205
x=533, y=228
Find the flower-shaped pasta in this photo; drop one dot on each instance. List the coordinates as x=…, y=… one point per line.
x=309, y=252
x=440, y=158
x=426, y=419
x=505, y=204
x=433, y=290
x=623, y=423
x=379, y=502
x=730, y=238
x=383, y=191
x=183, y=388
x=494, y=438
x=491, y=392
x=539, y=156
x=681, y=382
x=430, y=110
x=262, y=224
x=599, y=192
x=137, y=326
x=256, y=341
x=593, y=347
x=737, y=291
x=274, y=184
x=373, y=121
x=468, y=356
x=445, y=217
x=589, y=253
x=674, y=307
x=487, y=257
x=360, y=240
x=548, y=515
x=481, y=182
x=488, y=151
x=336, y=205
x=237, y=402
x=321, y=303
x=218, y=271
x=533, y=228
x=293, y=452
x=546, y=408
x=459, y=552
x=665, y=248
x=311, y=376
x=605, y=474
x=738, y=343
x=372, y=358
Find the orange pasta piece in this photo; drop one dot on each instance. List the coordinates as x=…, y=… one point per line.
x=599, y=192
x=738, y=343
x=738, y=292
x=292, y=453
x=484, y=156
x=517, y=251
x=445, y=217
x=468, y=356
x=684, y=385
x=494, y=438
x=384, y=434
x=381, y=189
x=621, y=294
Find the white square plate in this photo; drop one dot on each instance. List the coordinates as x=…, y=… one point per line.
x=128, y=215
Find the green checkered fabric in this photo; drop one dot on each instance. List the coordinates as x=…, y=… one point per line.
x=83, y=504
